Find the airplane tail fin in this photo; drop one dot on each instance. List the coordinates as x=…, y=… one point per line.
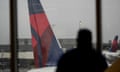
x=45, y=47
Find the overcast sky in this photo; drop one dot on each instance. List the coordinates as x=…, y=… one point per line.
x=65, y=17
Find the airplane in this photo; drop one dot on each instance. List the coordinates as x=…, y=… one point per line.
x=56, y=26
x=45, y=46
x=36, y=14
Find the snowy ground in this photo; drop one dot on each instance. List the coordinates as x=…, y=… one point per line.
x=20, y=70
x=44, y=69
x=111, y=56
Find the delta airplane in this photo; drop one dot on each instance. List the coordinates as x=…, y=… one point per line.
x=40, y=21
x=46, y=49
x=43, y=39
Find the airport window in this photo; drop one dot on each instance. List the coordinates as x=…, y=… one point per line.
x=60, y=21
x=4, y=37
x=64, y=20
x=110, y=30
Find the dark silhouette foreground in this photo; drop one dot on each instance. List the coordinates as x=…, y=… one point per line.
x=83, y=58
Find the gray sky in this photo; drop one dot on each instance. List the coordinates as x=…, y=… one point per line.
x=65, y=17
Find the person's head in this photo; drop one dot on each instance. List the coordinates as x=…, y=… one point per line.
x=84, y=37
x=116, y=37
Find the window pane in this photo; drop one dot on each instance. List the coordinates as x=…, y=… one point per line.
x=111, y=24
x=25, y=52
x=65, y=20
x=4, y=36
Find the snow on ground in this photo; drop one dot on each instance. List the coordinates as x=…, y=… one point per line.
x=111, y=56
x=44, y=69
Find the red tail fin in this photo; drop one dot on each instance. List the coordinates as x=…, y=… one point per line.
x=45, y=46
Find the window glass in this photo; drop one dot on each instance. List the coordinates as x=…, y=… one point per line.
x=65, y=17
x=110, y=28
x=4, y=36
x=25, y=52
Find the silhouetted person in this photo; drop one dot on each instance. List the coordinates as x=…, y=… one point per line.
x=83, y=58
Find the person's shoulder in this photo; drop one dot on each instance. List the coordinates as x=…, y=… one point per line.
x=100, y=56
x=68, y=54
